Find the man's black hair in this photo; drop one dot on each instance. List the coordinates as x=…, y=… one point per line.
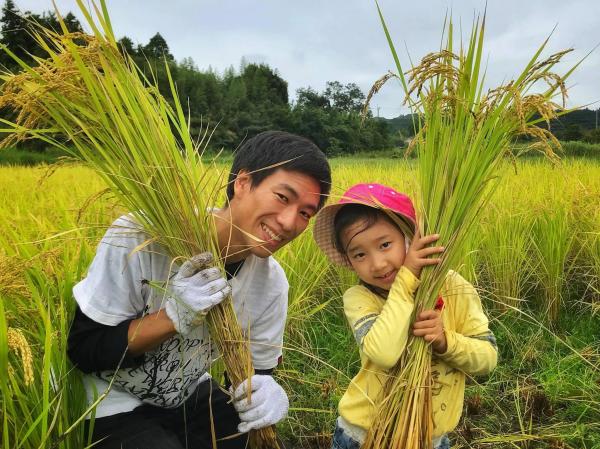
x=285, y=150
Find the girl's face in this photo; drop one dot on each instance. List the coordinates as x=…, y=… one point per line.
x=375, y=253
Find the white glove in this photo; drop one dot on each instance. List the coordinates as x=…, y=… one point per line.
x=193, y=291
x=268, y=406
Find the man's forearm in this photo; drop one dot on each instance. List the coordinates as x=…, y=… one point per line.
x=148, y=332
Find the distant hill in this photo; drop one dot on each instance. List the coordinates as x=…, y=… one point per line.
x=402, y=123
x=581, y=119
x=584, y=118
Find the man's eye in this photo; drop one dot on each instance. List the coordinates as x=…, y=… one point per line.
x=386, y=245
x=282, y=197
x=358, y=256
x=306, y=215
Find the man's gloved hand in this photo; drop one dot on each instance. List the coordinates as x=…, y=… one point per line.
x=268, y=406
x=193, y=291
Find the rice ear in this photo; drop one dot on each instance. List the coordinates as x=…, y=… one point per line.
x=18, y=343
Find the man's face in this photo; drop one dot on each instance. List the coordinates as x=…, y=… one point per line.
x=275, y=212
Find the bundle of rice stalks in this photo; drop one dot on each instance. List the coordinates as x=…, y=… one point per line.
x=464, y=134
x=90, y=100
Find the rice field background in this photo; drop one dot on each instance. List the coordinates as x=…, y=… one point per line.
x=535, y=260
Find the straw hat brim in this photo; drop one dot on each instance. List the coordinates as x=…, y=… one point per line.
x=324, y=235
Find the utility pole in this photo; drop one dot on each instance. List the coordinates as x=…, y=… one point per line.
x=596, y=116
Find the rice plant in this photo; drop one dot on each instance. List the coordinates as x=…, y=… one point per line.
x=584, y=265
x=305, y=267
x=593, y=274
x=464, y=134
x=552, y=240
x=41, y=396
x=506, y=254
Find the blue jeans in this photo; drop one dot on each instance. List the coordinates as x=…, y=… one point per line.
x=444, y=443
x=342, y=441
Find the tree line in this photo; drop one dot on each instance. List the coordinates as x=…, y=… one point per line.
x=580, y=125
x=238, y=103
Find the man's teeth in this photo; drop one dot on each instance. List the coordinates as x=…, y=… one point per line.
x=271, y=234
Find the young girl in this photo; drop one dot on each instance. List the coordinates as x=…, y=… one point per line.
x=360, y=232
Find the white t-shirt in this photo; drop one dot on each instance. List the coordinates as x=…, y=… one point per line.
x=116, y=289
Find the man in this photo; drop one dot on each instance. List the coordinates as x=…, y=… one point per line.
x=156, y=351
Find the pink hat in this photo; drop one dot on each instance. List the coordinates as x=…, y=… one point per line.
x=374, y=195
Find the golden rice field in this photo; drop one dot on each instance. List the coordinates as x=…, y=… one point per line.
x=535, y=260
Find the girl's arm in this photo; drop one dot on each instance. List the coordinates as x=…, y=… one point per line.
x=382, y=333
x=472, y=346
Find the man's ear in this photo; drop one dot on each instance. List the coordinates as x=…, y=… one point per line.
x=242, y=183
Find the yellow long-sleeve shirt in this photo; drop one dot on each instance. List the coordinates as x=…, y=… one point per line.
x=381, y=328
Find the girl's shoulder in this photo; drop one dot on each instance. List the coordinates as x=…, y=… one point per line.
x=360, y=293
x=356, y=289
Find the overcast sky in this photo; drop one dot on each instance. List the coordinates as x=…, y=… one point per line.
x=311, y=42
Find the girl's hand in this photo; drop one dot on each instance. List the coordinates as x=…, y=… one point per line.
x=429, y=325
x=418, y=252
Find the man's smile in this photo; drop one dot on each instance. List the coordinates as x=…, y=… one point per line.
x=270, y=233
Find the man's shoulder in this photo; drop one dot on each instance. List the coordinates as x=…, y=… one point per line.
x=126, y=222
x=127, y=234
x=125, y=230
x=269, y=269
